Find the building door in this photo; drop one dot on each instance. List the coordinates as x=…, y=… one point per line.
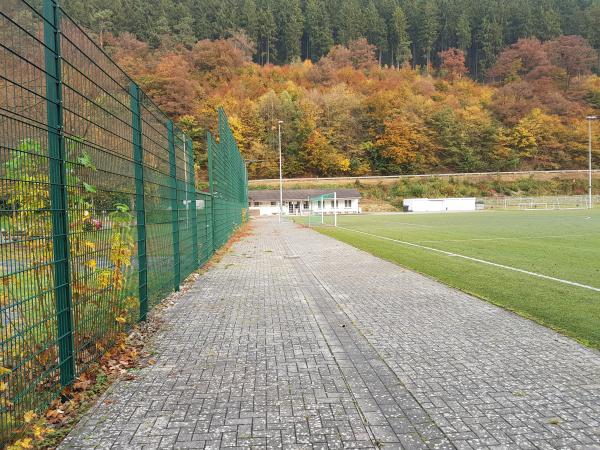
x=291, y=207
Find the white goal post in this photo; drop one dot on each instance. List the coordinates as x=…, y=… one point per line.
x=541, y=203
x=319, y=214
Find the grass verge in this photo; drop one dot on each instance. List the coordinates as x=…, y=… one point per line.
x=505, y=238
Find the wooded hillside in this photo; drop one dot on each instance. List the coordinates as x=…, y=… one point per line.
x=368, y=106
x=402, y=30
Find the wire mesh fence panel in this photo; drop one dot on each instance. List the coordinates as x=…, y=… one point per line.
x=158, y=200
x=99, y=214
x=186, y=193
x=228, y=182
x=204, y=226
x=100, y=178
x=29, y=348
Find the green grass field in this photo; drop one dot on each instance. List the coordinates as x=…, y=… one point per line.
x=560, y=244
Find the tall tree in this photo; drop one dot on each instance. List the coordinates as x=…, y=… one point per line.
x=429, y=29
x=490, y=42
x=573, y=54
x=453, y=63
x=101, y=23
x=288, y=17
x=413, y=20
x=317, y=30
x=547, y=23
x=399, y=38
x=184, y=31
x=376, y=29
x=248, y=19
x=521, y=22
x=463, y=36
x=592, y=30
x=266, y=30
x=351, y=21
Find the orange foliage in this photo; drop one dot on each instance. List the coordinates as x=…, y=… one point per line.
x=346, y=115
x=453, y=63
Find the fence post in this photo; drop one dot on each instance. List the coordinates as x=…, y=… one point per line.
x=174, y=207
x=58, y=192
x=191, y=187
x=211, y=181
x=138, y=153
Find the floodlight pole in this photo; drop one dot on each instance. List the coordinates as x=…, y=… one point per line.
x=335, y=209
x=590, y=193
x=280, y=173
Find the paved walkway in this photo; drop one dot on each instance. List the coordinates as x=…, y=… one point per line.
x=296, y=340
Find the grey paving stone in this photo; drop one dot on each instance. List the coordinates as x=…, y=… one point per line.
x=295, y=340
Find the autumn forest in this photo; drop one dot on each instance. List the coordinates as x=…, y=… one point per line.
x=400, y=87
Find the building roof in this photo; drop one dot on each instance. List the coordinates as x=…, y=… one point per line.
x=272, y=195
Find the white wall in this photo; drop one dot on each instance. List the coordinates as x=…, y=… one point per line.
x=327, y=207
x=266, y=209
x=439, y=205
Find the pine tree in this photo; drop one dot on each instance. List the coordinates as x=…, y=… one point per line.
x=490, y=44
x=413, y=18
x=520, y=21
x=248, y=19
x=184, y=31
x=592, y=31
x=463, y=32
x=351, y=21
x=317, y=26
x=547, y=23
x=375, y=29
x=288, y=19
x=266, y=29
x=400, y=41
x=101, y=23
x=386, y=12
x=429, y=29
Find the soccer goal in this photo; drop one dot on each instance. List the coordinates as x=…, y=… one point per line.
x=541, y=203
x=323, y=210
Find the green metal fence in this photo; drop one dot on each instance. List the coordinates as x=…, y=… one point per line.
x=99, y=210
x=225, y=165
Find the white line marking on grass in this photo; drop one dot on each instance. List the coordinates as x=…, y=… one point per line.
x=407, y=224
x=561, y=236
x=481, y=261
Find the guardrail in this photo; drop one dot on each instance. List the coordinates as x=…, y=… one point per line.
x=375, y=178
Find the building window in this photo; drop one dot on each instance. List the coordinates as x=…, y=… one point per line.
x=305, y=205
x=319, y=204
x=273, y=203
x=256, y=203
x=335, y=203
x=348, y=203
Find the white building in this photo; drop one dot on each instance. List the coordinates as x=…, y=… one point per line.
x=439, y=204
x=301, y=201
